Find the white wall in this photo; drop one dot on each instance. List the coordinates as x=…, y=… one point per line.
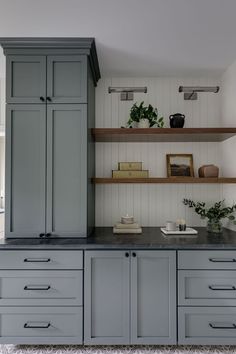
x=152, y=205
x=228, y=119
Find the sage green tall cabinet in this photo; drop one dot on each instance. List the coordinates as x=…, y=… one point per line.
x=50, y=156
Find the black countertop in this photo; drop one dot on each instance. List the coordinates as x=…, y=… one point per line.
x=151, y=238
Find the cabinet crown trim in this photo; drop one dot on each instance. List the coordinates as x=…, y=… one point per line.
x=84, y=44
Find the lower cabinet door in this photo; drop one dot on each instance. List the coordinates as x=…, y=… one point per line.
x=41, y=325
x=207, y=325
x=106, y=297
x=153, y=297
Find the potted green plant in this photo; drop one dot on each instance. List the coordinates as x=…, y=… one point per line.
x=144, y=117
x=215, y=213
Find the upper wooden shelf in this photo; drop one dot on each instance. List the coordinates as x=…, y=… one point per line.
x=162, y=134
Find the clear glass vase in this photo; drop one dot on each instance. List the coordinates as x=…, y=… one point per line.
x=214, y=226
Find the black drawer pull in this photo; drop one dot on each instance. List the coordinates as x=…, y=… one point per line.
x=222, y=260
x=222, y=287
x=134, y=254
x=37, y=287
x=222, y=326
x=49, y=99
x=37, y=325
x=42, y=98
x=126, y=254
x=37, y=260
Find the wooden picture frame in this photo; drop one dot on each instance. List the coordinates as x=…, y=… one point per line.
x=179, y=165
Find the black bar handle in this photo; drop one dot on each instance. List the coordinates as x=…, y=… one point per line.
x=37, y=260
x=134, y=254
x=222, y=287
x=126, y=254
x=222, y=260
x=37, y=287
x=28, y=325
x=42, y=98
x=41, y=235
x=222, y=326
x=49, y=99
x=48, y=234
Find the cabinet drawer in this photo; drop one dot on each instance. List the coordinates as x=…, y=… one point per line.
x=41, y=325
x=207, y=288
x=207, y=260
x=207, y=325
x=40, y=287
x=41, y=259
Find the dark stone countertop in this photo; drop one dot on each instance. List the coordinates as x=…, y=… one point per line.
x=151, y=238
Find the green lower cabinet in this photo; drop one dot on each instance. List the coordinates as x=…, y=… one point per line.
x=130, y=297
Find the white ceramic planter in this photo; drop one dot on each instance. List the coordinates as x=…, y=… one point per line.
x=143, y=123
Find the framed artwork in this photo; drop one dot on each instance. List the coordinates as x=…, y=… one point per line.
x=179, y=165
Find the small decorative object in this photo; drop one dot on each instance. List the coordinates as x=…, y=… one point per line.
x=130, y=166
x=170, y=226
x=177, y=120
x=181, y=225
x=130, y=170
x=127, y=226
x=180, y=165
x=208, y=171
x=144, y=117
x=214, y=213
x=127, y=219
x=130, y=174
x=189, y=231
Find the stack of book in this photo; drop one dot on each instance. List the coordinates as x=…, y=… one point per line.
x=130, y=170
x=120, y=228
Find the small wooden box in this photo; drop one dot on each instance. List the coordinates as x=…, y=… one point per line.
x=130, y=166
x=130, y=174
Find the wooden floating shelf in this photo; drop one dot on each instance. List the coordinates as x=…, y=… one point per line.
x=162, y=134
x=98, y=180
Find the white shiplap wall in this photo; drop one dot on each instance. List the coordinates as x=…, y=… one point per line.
x=228, y=147
x=152, y=205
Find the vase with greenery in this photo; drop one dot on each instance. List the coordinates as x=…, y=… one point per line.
x=215, y=213
x=144, y=116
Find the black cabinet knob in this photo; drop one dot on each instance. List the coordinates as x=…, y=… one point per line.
x=41, y=235
x=134, y=254
x=48, y=234
x=126, y=254
x=42, y=98
x=49, y=99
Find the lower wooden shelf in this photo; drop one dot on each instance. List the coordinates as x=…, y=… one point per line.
x=99, y=180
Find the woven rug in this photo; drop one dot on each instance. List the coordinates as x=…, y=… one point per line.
x=147, y=349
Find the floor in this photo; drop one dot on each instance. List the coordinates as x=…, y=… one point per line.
x=11, y=349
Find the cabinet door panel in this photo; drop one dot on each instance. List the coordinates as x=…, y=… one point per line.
x=67, y=79
x=153, y=297
x=66, y=170
x=106, y=300
x=25, y=170
x=26, y=78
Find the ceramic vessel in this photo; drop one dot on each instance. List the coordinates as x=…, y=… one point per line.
x=208, y=171
x=177, y=120
x=143, y=123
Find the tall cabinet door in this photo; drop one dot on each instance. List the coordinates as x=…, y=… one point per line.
x=153, y=297
x=25, y=170
x=26, y=79
x=67, y=79
x=66, y=170
x=106, y=297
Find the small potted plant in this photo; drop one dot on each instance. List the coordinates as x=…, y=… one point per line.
x=144, y=117
x=214, y=213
